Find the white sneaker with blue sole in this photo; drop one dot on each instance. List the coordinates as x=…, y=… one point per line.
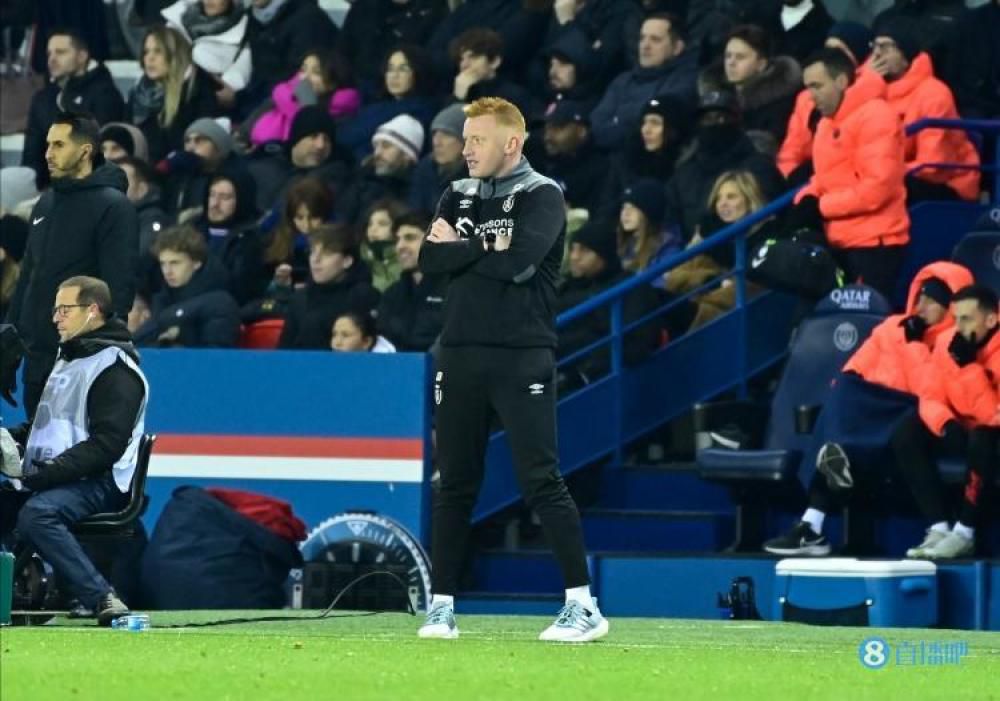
x=575, y=624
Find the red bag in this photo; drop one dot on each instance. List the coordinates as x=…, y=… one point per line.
x=273, y=514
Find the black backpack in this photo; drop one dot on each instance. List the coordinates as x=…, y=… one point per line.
x=801, y=264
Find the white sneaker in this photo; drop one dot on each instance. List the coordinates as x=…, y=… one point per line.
x=951, y=546
x=930, y=540
x=440, y=623
x=575, y=624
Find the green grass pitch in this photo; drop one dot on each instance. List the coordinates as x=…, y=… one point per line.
x=379, y=657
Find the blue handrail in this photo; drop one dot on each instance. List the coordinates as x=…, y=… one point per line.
x=974, y=125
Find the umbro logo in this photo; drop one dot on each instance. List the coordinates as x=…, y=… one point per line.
x=465, y=204
x=536, y=388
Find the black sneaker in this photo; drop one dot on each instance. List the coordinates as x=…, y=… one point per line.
x=833, y=463
x=800, y=540
x=110, y=608
x=78, y=610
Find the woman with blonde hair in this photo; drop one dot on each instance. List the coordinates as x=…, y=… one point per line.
x=172, y=92
x=735, y=194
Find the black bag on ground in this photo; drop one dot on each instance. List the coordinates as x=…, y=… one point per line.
x=205, y=555
x=801, y=264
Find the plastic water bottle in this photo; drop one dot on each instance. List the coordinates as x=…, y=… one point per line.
x=133, y=622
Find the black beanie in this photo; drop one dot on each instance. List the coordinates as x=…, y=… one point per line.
x=902, y=32
x=310, y=120
x=675, y=112
x=936, y=289
x=121, y=136
x=599, y=237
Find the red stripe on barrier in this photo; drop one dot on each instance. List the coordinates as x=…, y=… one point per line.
x=290, y=446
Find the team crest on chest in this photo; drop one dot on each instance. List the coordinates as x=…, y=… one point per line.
x=508, y=204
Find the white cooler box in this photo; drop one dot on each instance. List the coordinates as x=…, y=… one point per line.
x=850, y=592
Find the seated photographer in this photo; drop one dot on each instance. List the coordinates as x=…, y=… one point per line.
x=80, y=450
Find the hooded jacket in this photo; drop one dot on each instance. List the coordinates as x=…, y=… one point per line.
x=918, y=94
x=970, y=394
x=114, y=402
x=858, y=162
x=93, y=92
x=886, y=358
x=78, y=227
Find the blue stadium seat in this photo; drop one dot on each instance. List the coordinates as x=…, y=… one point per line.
x=979, y=251
x=773, y=439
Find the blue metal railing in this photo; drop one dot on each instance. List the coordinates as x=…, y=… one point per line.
x=733, y=234
x=975, y=126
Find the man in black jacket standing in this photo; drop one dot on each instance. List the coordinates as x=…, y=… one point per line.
x=83, y=225
x=81, y=450
x=499, y=236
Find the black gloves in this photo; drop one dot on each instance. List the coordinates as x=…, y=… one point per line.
x=804, y=215
x=12, y=349
x=955, y=438
x=50, y=474
x=914, y=328
x=963, y=350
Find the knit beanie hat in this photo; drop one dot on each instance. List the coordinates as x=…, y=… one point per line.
x=649, y=196
x=599, y=237
x=856, y=36
x=902, y=32
x=936, y=289
x=216, y=131
x=450, y=120
x=311, y=119
x=404, y=132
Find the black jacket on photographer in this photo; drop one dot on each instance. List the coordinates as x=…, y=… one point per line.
x=114, y=402
x=500, y=298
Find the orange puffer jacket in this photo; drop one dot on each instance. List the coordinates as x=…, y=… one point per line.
x=886, y=358
x=858, y=162
x=916, y=95
x=970, y=395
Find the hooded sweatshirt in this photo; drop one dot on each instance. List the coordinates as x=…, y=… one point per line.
x=78, y=227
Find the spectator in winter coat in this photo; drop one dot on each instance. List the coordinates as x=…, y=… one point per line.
x=216, y=29
x=378, y=241
x=857, y=193
x=338, y=283
x=720, y=144
x=388, y=172
x=279, y=34
x=172, y=92
x=651, y=149
x=229, y=224
x=410, y=314
x=572, y=160
x=308, y=205
x=82, y=225
x=407, y=89
x=371, y=26
x=665, y=68
x=311, y=150
x=444, y=163
x=766, y=84
x=76, y=83
x=478, y=55
x=193, y=310
x=915, y=93
x=323, y=79
x=120, y=140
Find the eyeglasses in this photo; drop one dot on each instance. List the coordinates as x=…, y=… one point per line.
x=884, y=45
x=62, y=310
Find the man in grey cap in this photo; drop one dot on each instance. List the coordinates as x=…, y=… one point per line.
x=444, y=163
x=208, y=146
